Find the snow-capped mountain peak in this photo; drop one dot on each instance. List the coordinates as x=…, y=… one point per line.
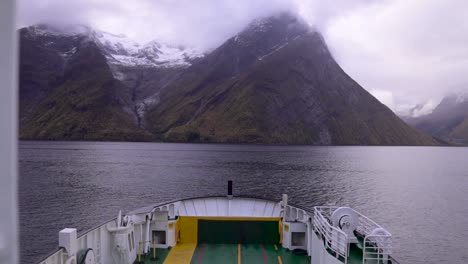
x=121, y=50
x=272, y=32
x=116, y=44
x=124, y=51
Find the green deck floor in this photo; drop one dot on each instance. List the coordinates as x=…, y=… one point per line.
x=161, y=255
x=250, y=253
x=228, y=254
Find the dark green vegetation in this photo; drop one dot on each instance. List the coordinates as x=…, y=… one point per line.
x=274, y=83
x=448, y=121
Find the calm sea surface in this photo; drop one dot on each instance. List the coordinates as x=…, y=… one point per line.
x=420, y=194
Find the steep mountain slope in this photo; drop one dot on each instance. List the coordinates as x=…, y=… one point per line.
x=275, y=82
x=80, y=83
x=448, y=121
x=86, y=105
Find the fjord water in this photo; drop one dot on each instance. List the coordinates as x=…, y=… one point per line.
x=420, y=194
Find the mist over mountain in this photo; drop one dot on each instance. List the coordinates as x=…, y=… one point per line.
x=273, y=82
x=448, y=121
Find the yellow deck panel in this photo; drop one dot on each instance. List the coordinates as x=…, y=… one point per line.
x=181, y=254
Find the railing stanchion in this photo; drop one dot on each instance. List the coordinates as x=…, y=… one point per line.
x=154, y=258
x=139, y=252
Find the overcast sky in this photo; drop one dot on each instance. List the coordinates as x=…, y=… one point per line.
x=405, y=52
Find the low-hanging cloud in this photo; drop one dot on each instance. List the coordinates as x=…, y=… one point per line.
x=412, y=51
x=202, y=23
x=405, y=52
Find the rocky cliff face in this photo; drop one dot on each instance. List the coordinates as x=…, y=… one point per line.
x=274, y=82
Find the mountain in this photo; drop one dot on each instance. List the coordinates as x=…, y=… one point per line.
x=80, y=83
x=275, y=82
x=448, y=121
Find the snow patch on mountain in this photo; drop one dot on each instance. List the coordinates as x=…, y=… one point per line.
x=259, y=25
x=461, y=98
x=275, y=49
x=124, y=51
x=69, y=53
x=270, y=34
x=153, y=54
x=116, y=44
x=178, y=55
x=121, y=50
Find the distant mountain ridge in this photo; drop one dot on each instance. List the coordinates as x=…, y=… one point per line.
x=275, y=83
x=448, y=121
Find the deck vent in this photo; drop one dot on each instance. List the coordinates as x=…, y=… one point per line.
x=230, y=189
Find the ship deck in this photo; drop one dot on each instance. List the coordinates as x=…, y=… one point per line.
x=225, y=253
x=234, y=254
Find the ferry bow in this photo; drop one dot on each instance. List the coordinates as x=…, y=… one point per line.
x=229, y=229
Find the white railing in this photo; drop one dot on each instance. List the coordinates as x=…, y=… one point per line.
x=56, y=258
x=376, y=249
x=93, y=238
x=366, y=225
x=291, y=213
x=377, y=244
x=335, y=239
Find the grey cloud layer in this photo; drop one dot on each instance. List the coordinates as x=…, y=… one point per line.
x=405, y=52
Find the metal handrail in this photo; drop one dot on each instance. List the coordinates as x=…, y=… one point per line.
x=377, y=248
x=335, y=239
x=366, y=225
x=57, y=255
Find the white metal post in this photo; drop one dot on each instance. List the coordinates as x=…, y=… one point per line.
x=8, y=133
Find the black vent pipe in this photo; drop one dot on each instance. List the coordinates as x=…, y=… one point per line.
x=229, y=188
